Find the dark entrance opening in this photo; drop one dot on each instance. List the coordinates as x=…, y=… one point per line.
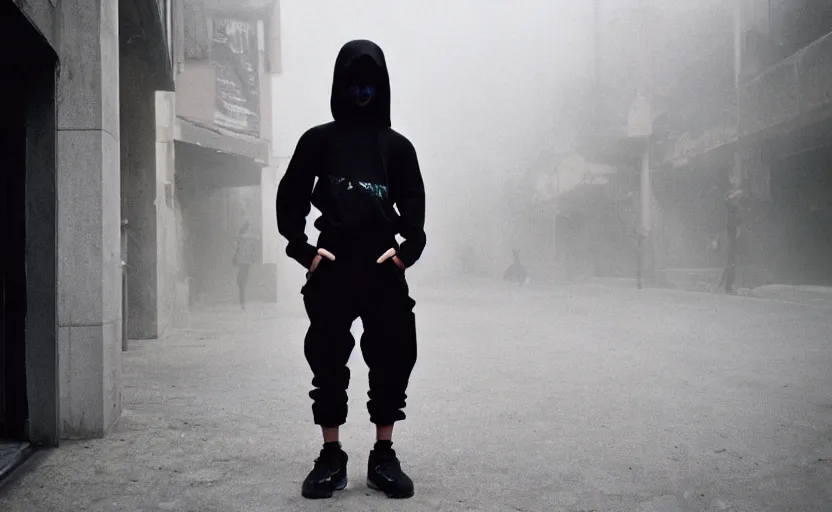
x=802, y=199
x=13, y=413
x=28, y=391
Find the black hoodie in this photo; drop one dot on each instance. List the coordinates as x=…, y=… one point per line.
x=365, y=171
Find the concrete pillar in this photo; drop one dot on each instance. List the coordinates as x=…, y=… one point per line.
x=147, y=152
x=269, y=234
x=138, y=163
x=89, y=214
x=269, y=237
x=168, y=245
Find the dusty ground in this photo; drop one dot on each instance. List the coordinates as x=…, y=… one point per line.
x=572, y=399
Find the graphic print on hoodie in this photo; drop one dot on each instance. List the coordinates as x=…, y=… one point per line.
x=369, y=186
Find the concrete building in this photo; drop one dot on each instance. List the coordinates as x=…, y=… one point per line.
x=752, y=114
x=83, y=158
x=694, y=106
x=785, y=138
x=739, y=101
x=222, y=134
x=597, y=217
x=117, y=196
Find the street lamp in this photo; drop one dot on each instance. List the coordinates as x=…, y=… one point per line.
x=640, y=127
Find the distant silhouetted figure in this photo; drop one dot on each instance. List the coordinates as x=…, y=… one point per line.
x=244, y=257
x=516, y=272
x=732, y=231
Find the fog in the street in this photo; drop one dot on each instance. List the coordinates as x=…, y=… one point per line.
x=477, y=87
x=624, y=302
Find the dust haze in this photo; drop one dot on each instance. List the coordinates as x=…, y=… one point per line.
x=624, y=303
x=522, y=112
x=476, y=86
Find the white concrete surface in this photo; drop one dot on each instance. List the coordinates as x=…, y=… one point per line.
x=571, y=399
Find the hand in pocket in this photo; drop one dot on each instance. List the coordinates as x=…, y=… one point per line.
x=391, y=254
x=322, y=253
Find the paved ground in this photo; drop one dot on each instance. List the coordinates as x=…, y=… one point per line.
x=813, y=295
x=574, y=399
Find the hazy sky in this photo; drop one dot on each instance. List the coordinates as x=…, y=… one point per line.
x=474, y=86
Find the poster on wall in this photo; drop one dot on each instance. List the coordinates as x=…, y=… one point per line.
x=234, y=53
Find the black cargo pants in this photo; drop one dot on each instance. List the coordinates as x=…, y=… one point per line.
x=335, y=295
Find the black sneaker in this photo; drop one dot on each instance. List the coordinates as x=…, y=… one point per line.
x=384, y=472
x=328, y=475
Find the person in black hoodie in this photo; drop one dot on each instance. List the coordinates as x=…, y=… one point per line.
x=369, y=189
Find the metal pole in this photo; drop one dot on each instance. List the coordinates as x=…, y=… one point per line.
x=645, y=227
x=736, y=172
x=555, y=244
x=645, y=189
x=124, y=306
x=124, y=285
x=597, y=42
x=639, y=243
x=645, y=89
x=737, y=44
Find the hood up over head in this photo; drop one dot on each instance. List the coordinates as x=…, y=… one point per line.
x=361, y=60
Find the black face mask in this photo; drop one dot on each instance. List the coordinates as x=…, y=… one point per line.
x=362, y=81
x=362, y=95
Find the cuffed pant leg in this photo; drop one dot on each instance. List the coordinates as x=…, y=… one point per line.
x=327, y=348
x=389, y=349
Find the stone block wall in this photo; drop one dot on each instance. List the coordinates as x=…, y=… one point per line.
x=89, y=215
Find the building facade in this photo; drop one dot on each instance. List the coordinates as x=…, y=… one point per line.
x=785, y=138
x=225, y=176
x=120, y=196
x=29, y=199
x=113, y=188
x=76, y=159
x=739, y=103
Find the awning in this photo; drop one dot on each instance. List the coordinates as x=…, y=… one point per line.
x=240, y=8
x=201, y=134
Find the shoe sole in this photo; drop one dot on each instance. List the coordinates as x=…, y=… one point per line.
x=322, y=495
x=390, y=495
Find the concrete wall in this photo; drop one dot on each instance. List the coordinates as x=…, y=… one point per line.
x=196, y=91
x=169, y=246
x=138, y=162
x=794, y=93
x=147, y=124
x=88, y=315
x=89, y=272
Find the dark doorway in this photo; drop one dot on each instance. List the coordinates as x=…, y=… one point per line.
x=27, y=231
x=802, y=197
x=13, y=405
